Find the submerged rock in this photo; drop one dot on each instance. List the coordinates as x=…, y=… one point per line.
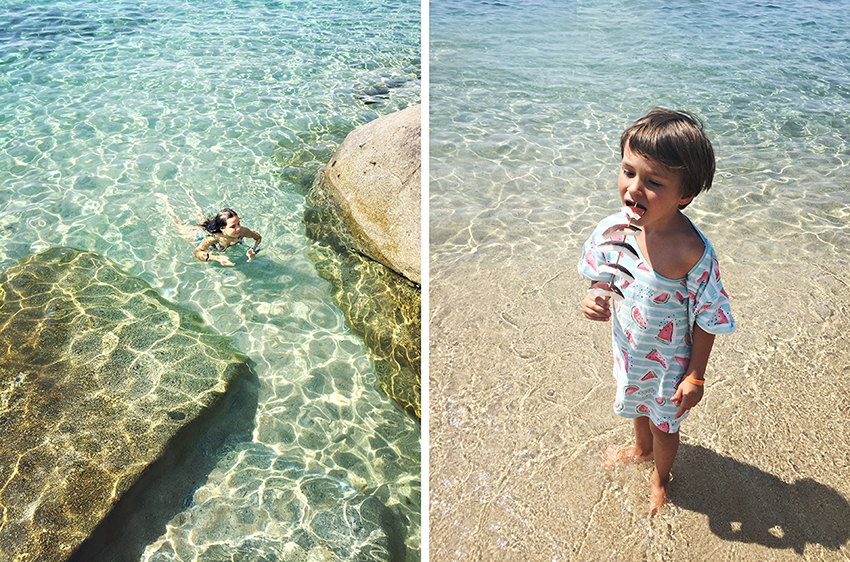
x=100, y=380
x=364, y=209
x=383, y=308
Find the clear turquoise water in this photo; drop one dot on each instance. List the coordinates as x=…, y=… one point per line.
x=103, y=106
x=528, y=101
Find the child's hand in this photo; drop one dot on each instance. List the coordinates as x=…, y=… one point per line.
x=687, y=396
x=252, y=253
x=596, y=308
x=223, y=260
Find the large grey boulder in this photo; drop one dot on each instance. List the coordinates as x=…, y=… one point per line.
x=100, y=380
x=374, y=180
x=365, y=209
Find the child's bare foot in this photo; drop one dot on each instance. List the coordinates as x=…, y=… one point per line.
x=658, y=494
x=618, y=455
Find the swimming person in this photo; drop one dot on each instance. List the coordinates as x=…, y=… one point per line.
x=670, y=303
x=217, y=234
x=221, y=232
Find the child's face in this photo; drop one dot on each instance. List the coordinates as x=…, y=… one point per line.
x=650, y=184
x=232, y=227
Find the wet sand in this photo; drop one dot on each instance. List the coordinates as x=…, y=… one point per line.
x=520, y=414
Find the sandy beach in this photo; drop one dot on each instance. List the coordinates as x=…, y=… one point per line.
x=528, y=101
x=520, y=404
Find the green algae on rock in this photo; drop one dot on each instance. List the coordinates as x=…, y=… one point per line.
x=383, y=308
x=99, y=378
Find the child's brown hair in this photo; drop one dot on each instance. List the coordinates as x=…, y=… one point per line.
x=219, y=221
x=676, y=140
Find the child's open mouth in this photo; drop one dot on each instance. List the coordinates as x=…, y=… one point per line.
x=637, y=205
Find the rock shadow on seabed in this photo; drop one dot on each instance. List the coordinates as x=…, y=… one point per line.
x=745, y=504
x=114, y=404
x=169, y=485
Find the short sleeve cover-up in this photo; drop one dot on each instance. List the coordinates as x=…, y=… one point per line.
x=653, y=326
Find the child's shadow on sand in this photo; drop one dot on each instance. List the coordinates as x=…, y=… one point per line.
x=746, y=504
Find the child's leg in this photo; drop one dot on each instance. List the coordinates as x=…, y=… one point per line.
x=185, y=231
x=169, y=210
x=644, y=442
x=198, y=211
x=665, y=447
x=641, y=451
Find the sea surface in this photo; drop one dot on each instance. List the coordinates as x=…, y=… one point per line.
x=529, y=101
x=110, y=112
x=527, y=104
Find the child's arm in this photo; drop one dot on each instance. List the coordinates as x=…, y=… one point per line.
x=688, y=394
x=248, y=233
x=202, y=252
x=596, y=308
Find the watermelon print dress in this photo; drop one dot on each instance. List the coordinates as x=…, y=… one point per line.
x=652, y=327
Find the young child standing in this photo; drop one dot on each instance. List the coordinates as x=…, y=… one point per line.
x=672, y=302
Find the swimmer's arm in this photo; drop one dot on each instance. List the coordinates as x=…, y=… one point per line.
x=688, y=394
x=248, y=233
x=252, y=252
x=202, y=252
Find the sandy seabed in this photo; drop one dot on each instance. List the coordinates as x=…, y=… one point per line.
x=521, y=394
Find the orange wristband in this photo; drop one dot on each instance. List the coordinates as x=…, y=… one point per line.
x=698, y=382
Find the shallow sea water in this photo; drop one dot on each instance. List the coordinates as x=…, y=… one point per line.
x=105, y=107
x=527, y=103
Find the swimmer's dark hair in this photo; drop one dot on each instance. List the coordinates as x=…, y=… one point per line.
x=216, y=223
x=676, y=140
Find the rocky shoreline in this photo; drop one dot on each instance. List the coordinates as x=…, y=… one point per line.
x=364, y=212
